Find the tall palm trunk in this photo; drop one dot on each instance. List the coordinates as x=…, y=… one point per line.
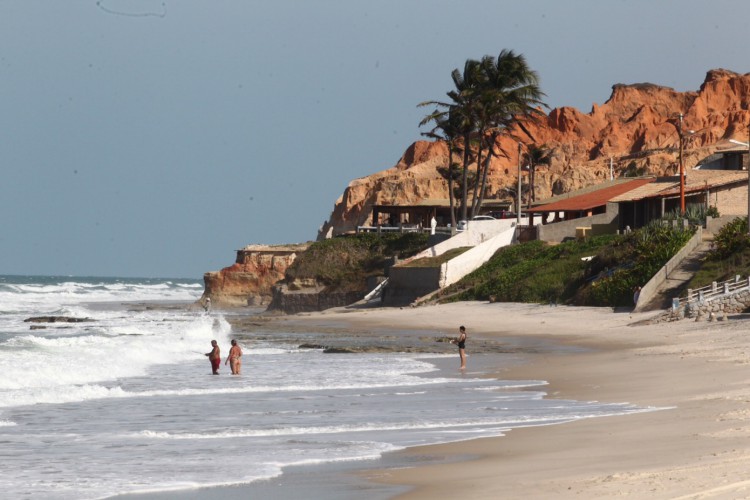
x=465, y=178
x=451, y=198
x=477, y=180
x=485, y=171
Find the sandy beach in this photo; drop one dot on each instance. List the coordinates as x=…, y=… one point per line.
x=696, y=445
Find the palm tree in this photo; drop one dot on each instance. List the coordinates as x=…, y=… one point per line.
x=512, y=97
x=490, y=97
x=536, y=156
x=511, y=191
x=463, y=111
x=447, y=129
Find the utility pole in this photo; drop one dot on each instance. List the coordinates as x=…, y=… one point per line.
x=611, y=170
x=518, y=193
x=682, y=171
x=748, y=178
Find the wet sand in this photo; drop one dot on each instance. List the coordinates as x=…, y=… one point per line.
x=698, y=446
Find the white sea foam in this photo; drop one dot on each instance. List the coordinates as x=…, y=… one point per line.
x=105, y=407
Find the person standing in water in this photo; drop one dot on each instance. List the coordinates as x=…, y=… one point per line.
x=235, y=358
x=214, y=357
x=461, y=343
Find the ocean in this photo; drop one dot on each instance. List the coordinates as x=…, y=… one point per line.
x=125, y=403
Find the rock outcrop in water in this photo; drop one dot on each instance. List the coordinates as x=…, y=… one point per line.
x=636, y=127
x=250, y=280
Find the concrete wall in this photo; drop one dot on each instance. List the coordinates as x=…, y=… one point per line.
x=599, y=224
x=460, y=266
x=477, y=233
x=730, y=200
x=649, y=289
x=714, y=224
x=406, y=284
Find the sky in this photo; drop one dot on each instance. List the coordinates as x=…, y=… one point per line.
x=144, y=138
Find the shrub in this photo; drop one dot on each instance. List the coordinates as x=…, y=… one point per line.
x=541, y=273
x=643, y=252
x=731, y=238
x=730, y=255
x=529, y=272
x=345, y=263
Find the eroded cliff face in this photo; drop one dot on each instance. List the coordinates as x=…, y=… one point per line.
x=636, y=128
x=250, y=280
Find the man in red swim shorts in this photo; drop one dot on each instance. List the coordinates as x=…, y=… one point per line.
x=214, y=357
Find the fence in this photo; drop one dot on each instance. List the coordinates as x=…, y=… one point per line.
x=715, y=290
x=731, y=296
x=401, y=229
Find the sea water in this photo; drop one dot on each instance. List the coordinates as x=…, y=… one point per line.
x=126, y=402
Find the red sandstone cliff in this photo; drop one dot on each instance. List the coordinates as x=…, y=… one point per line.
x=249, y=281
x=633, y=127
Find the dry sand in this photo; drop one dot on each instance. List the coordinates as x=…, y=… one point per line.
x=698, y=447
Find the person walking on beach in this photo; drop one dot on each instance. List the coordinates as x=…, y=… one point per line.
x=461, y=343
x=235, y=358
x=214, y=357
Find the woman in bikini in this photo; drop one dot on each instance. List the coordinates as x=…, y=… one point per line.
x=235, y=358
x=461, y=343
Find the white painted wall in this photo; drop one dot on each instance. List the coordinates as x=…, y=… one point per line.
x=460, y=266
x=477, y=233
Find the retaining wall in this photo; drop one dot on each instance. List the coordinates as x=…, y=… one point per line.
x=460, y=266
x=406, y=284
x=600, y=224
x=714, y=224
x=715, y=309
x=648, y=291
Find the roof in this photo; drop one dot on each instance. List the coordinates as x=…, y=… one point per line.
x=731, y=146
x=592, y=196
x=696, y=181
x=443, y=202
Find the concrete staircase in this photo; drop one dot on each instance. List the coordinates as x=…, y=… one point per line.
x=676, y=282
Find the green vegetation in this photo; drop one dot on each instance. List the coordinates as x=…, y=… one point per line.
x=538, y=272
x=695, y=213
x=530, y=272
x=598, y=271
x=631, y=262
x=730, y=255
x=344, y=264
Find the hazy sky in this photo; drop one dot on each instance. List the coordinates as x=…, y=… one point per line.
x=154, y=138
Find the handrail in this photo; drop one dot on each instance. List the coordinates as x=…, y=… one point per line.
x=399, y=229
x=714, y=290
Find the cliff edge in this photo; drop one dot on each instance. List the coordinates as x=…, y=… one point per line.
x=635, y=127
x=250, y=280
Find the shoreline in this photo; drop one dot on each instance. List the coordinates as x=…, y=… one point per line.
x=696, y=446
